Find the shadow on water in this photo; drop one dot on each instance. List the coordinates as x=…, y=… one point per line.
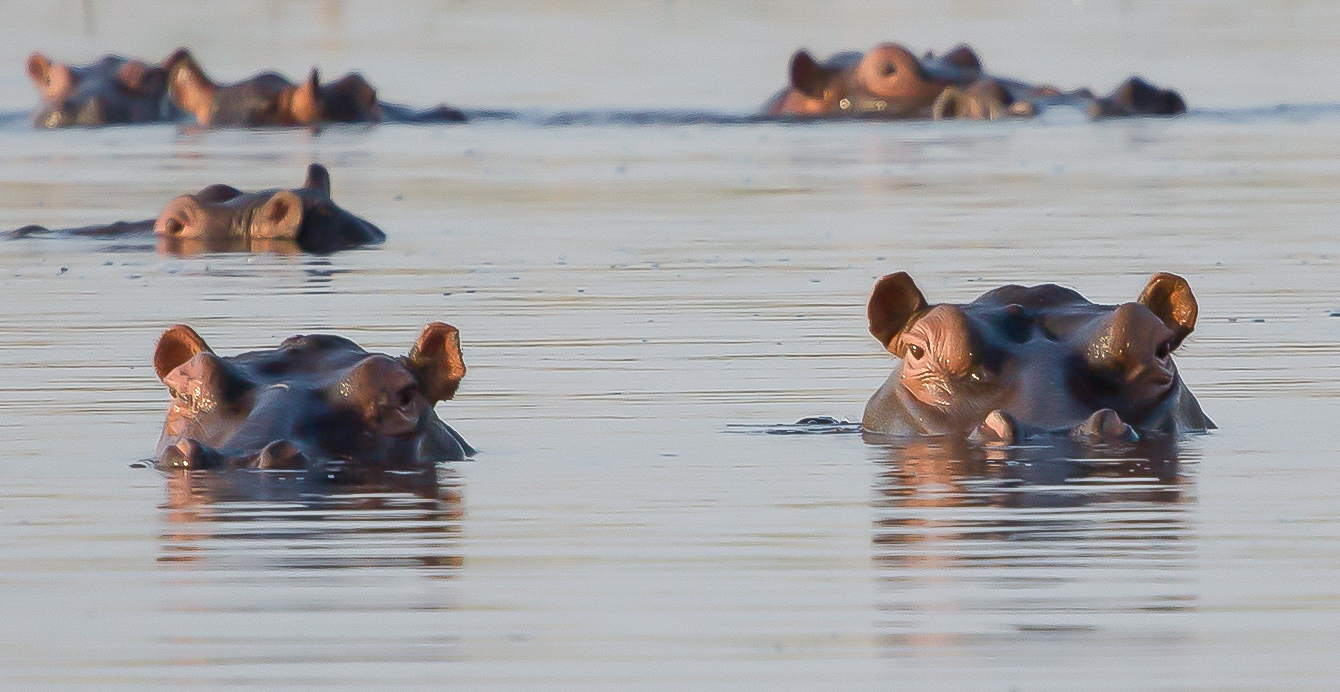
x=250, y=520
x=976, y=546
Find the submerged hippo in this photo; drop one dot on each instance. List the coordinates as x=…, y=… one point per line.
x=223, y=218
x=1036, y=361
x=269, y=100
x=114, y=90
x=890, y=82
x=315, y=403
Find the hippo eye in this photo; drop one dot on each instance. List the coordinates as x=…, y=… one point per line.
x=406, y=395
x=915, y=351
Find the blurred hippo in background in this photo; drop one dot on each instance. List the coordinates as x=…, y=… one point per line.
x=221, y=218
x=269, y=99
x=111, y=91
x=890, y=82
x=1033, y=362
x=315, y=403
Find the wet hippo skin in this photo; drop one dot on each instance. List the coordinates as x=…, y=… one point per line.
x=1041, y=361
x=113, y=90
x=316, y=402
x=269, y=100
x=890, y=82
x=222, y=218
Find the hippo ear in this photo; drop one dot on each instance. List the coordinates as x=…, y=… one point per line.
x=1169, y=297
x=280, y=218
x=39, y=69
x=436, y=359
x=962, y=57
x=807, y=75
x=318, y=178
x=176, y=346
x=189, y=88
x=305, y=108
x=894, y=304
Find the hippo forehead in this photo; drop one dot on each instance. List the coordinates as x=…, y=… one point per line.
x=1011, y=317
x=314, y=360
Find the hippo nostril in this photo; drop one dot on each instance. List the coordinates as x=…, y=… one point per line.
x=887, y=69
x=998, y=430
x=188, y=454
x=174, y=226
x=1103, y=427
x=280, y=454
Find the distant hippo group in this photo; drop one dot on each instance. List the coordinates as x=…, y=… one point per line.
x=887, y=82
x=1017, y=365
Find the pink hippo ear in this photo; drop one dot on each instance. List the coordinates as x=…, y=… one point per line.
x=305, y=107
x=177, y=345
x=894, y=304
x=280, y=218
x=39, y=70
x=1169, y=297
x=808, y=76
x=318, y=178
x=189, y=88
x=436, y=360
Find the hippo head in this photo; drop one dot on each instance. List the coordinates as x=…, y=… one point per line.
x=110, y=91
x=223, y=217
x=1023, y=362
x=269, y=99
x=314, y=403
x=886, y=82
x=1135, y=96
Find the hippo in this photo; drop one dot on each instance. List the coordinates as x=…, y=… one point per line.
x=269, y=99
x=223, y=218
x=1035, y=362
x=112, y=91
x=317, y=403
x=890, y=82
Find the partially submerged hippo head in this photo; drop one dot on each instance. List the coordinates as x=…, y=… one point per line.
x=886, y=82
x=315, y=403
x=113, y=90
x=1037, y=361
x=224, y=217
x=269, y=99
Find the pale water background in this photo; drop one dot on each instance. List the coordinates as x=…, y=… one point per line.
x=625, y=293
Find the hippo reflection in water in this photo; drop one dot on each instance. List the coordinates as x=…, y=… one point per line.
x=889, y=82
x=315, y=403
x=223, y=218
x=1033, y=362
x=114, y=90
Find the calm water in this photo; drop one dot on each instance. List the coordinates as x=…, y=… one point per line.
x=627, y=294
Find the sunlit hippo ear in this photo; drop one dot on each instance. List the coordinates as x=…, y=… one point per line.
x=305, y=108
x=1169, y=297
x=279, y=218
x=39, y=70
x=318, y=178
x=894, y=304
x=52, y=79
x=436, y=359
x=807, y=75
x=176, y=346
x=189, y=88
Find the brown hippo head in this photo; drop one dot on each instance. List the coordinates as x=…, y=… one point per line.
x=268, y=99
x=223, y=217
x=113, y=90
x=1021, y=362
x=316, y=403
x=886, y=82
